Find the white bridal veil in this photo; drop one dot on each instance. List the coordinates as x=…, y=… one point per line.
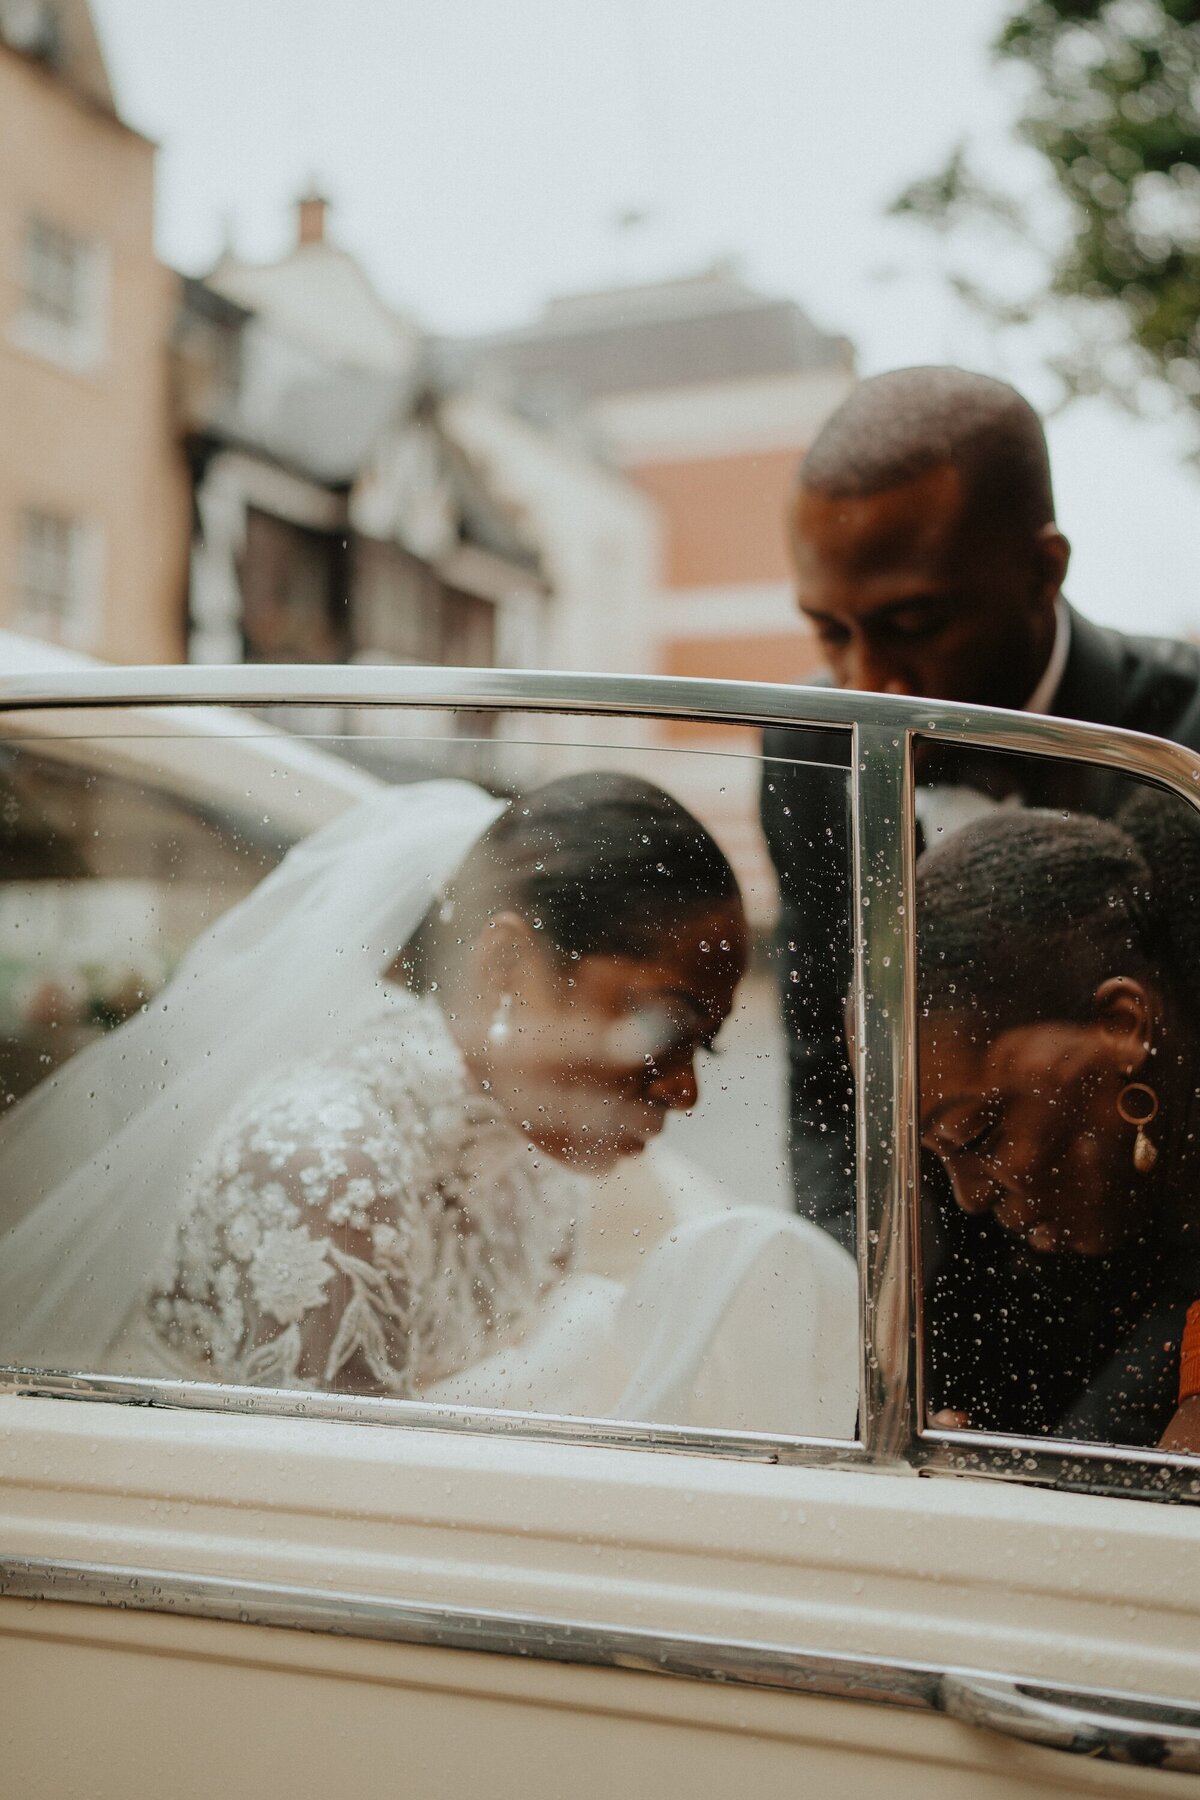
x=94, y=1164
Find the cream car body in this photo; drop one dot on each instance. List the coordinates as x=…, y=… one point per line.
x=218, y=1591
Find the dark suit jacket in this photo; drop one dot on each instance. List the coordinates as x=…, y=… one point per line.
x=1142, y=684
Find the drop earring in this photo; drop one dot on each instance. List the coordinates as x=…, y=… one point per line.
x=1137, y=1104
x=500, y=1029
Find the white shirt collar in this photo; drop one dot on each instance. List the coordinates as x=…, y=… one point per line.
x=1042, y=697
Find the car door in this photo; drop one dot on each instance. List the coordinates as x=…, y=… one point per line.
x=219, y=1587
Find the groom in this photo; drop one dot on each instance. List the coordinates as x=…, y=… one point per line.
x=928, y=562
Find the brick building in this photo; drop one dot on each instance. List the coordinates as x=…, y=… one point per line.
x=93, y=491
x=706, y=394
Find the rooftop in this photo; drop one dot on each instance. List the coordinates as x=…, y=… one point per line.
x=61, y=36
x=689, y=331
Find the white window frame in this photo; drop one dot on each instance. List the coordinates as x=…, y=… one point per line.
x=59, y=578
x=73, y=334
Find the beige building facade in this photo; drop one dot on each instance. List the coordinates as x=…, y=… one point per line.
x=94, y=496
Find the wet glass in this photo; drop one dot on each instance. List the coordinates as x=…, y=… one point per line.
x=1059, y=1230
x=439, y=1056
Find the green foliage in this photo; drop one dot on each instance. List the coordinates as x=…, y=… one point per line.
x=1114, y=109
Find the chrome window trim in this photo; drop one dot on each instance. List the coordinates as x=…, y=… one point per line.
x=718, y=702
x=883, y=729
x=1122, y=1470
x=286, y=1607
x=413, y=1415
x=1158, y=1732
x=885, y=1066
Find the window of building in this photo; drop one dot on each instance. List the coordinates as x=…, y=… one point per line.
x=404, y=611
x=63, y=287
x=55, y=586
x=289, y=579
x=468, y=630
x=32, y=27
x=54, y=273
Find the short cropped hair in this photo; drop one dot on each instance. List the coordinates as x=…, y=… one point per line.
x=897, y=426
x=1077, y=898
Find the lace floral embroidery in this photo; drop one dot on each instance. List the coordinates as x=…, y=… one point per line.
x=370, y=1224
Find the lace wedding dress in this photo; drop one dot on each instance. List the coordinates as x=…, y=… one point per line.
x=368, y=1223
x=97, y=1163
x=371, y=1223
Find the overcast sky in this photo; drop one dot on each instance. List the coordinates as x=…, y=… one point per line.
x=481, y=152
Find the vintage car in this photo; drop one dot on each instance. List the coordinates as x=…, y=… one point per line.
x=212, y=1587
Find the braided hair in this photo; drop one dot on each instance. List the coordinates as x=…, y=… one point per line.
x=1022, y=915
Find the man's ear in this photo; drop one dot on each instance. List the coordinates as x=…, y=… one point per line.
x=1054, y=556
x=1125, y=1009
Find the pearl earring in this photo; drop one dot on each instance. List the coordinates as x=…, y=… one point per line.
x=500, y=1029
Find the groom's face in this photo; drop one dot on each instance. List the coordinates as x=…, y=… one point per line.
x=919, y=590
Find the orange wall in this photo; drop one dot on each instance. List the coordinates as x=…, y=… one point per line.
x=723, y=516
x=770, y=656
x=767, y=656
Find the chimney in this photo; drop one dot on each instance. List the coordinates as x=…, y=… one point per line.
x=312, y=211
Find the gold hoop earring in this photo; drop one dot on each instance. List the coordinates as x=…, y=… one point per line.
x=1137, y=1104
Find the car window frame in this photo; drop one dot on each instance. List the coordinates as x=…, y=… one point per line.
x=883, y=732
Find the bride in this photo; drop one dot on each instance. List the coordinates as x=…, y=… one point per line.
x=349, y=1146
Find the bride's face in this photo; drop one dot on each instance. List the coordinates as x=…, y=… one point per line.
x=589, y=1056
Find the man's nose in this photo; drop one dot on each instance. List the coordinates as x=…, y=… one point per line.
x=873, y=673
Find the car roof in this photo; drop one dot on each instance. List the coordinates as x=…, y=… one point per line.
x=243, y=760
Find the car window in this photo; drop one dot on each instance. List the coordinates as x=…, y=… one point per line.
x=1056, y=976
x=511, y=1084
x=108, y=876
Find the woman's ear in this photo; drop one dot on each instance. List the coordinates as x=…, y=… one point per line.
x=1126, y=1012
x=498, y=955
